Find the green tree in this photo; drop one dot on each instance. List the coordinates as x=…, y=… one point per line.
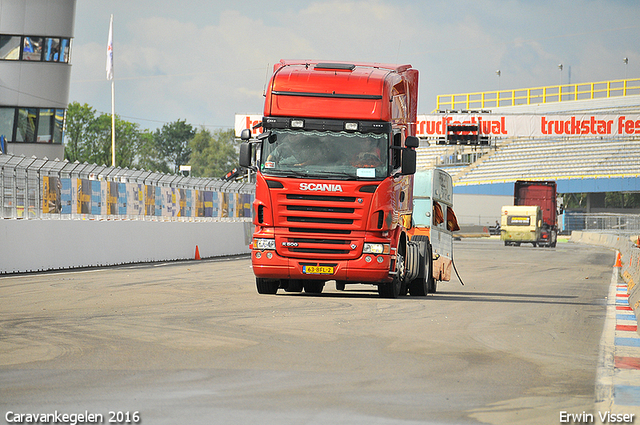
x=172, y=144
x=88, y=139
x=213, y=155
x=79, y=118
x=149, y=156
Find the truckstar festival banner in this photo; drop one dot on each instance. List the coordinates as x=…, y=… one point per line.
x=494, y=125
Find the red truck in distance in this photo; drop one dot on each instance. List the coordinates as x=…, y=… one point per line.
x=334, y=171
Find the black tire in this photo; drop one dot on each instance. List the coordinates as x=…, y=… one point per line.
x=340, y=286
x=418, y=287
x=313, y=286
x=432, y=284
x=412, y=266
x=267, y=286
x=392, y=289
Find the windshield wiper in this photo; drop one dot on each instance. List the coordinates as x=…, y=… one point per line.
x=337, y=174
x=285, y=173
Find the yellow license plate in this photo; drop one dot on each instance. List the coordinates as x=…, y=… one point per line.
x=317, y=270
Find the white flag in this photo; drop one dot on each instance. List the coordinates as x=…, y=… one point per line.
x=110, y=51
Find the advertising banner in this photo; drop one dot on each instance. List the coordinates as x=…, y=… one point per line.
x=84, y=196
x=551, y=125
x=149, y=200
x=208, y=203
x=112, y=198
x=248, y=121
x=96, y=199
x=51, y=202
x=158, y=200
x=199, y=203
x=509, y=125
x=122, y=199
x=66, y=198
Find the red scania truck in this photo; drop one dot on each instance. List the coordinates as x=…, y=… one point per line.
x=334, y=178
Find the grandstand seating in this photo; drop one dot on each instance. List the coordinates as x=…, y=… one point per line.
x=542, y=159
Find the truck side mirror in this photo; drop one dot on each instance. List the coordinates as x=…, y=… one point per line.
x=245, y=155
x=408, y=161
x=245, y=134
x=412, y=142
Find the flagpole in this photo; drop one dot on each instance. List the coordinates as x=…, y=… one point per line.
x=113, y=92
x=113, y=123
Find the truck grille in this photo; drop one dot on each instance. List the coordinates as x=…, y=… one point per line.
x=321, y=226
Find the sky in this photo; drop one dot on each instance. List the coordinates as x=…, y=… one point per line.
x=204, y=61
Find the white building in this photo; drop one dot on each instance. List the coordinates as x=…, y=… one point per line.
x=35, y=70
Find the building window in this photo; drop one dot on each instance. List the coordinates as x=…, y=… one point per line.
x=7, y=117
x=58, y=125
x=10, y=47
x=52, y=50
x=45, y=125
x=65, y=47
x=32, y=48
x=31, y=125
x=26, y=125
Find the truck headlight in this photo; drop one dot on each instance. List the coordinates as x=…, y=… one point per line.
x=264, y=244
x=376, y=248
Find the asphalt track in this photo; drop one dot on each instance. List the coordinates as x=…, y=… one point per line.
x=192, y=342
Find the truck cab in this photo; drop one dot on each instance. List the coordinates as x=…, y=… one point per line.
x=334, y=176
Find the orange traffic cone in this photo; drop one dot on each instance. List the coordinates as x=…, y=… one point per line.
x=198, y=253
x=618, y=260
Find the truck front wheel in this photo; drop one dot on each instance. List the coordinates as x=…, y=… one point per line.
x=267, y=286
x=392, y=289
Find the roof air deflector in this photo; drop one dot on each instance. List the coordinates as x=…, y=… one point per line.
x=336, y=66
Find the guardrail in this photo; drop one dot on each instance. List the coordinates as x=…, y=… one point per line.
x=628, y=260
x=627, y=224
x=33, y=188
x=535, y=95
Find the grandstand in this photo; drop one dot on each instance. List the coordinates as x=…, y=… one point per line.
x=590, y=159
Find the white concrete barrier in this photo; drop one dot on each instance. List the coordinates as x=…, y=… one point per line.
x=38, y=245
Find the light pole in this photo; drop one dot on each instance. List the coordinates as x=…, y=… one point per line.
x=560, y=86
x=626, y=64
x=498, y=73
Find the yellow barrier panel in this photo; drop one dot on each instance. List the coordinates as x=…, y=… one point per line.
x=536, y=95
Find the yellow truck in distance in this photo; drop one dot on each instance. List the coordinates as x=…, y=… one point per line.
x=520, y=223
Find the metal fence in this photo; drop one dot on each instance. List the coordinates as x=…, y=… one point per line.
x=602, y=222
x=33, y=188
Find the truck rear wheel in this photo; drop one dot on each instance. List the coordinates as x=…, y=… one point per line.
x=267, y=286
x=432, y=284
x=419, y=287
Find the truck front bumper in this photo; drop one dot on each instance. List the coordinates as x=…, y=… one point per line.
x=368, y=268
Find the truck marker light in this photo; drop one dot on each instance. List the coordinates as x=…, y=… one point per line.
x=297, y=123
x=351, y=126
x=264, y=244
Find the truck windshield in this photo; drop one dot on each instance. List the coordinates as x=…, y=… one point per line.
x=324, y=154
